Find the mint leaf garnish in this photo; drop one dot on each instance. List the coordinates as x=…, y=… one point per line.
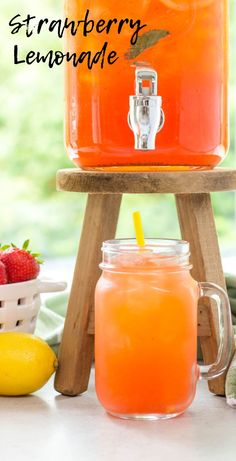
x=145, y=41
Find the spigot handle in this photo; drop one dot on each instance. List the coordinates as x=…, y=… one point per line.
x=146, y=117
x=146, y=82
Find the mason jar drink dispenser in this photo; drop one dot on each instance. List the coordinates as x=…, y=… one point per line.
x=149, y=90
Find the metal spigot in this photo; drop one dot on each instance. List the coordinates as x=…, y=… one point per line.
x=146, y=117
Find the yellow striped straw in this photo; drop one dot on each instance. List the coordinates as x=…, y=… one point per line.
x=138, y=229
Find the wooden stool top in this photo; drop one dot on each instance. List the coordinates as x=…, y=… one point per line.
x=165, y=182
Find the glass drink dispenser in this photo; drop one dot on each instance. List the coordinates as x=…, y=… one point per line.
x=156, y=96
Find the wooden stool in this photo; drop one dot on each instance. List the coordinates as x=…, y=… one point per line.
x=196, y=220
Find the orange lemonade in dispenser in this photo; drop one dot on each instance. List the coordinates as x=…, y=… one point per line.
x=156, y=95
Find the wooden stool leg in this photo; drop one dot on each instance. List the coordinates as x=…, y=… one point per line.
x=198, y=227
x=77, y=348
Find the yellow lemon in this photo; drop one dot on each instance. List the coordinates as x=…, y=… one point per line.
x=26, y=363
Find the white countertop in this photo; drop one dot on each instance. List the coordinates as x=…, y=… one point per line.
x=48, y=426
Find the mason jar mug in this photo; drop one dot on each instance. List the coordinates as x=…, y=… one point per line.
x=146, y=329
x=146, y=84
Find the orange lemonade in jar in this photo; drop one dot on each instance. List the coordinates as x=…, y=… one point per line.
x=183, y=45
x=146, y=329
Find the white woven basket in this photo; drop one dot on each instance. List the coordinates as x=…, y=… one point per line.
x=20, y=303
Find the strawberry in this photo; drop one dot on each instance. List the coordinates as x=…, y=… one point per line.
x=3, y=274
x=21, y=265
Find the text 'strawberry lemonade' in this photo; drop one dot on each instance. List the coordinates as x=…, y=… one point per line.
x=185, y=43
x=146, y=329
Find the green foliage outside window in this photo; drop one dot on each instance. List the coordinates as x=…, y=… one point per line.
x=31, y=132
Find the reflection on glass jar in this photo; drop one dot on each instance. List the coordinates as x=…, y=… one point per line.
x=185, y=43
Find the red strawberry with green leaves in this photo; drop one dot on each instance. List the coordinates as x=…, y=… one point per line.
x=3, y=274
x=21, y=265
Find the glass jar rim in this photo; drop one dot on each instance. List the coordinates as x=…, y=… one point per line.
x=158, y=246
x=160, y=254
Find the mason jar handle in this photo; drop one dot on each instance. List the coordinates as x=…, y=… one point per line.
x=219, y=295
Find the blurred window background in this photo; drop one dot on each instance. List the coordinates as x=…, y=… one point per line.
x=32, y=150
